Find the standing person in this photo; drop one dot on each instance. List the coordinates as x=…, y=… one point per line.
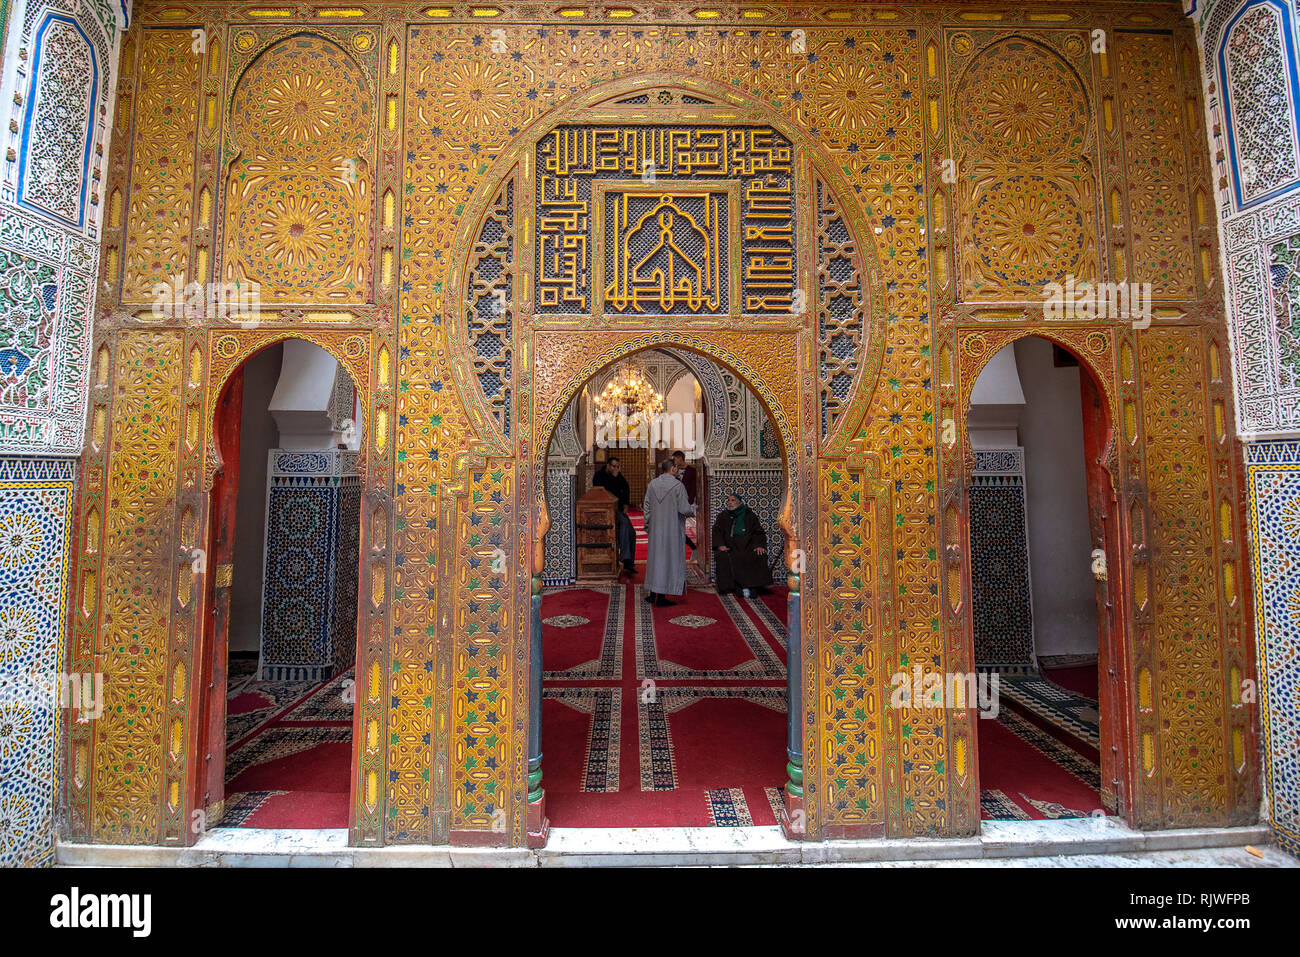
x=610, y=477
x=690, y=479
x=740, y=545
x=687, y=474
x=666, y=508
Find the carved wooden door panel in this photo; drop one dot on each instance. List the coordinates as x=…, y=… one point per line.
x=211, y=773
x=1104, y=523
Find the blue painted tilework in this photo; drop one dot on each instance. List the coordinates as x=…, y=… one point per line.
x=1273, y=473
x=35, y=511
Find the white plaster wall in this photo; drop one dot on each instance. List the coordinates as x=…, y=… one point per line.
x=1060, y=545
x=301, y=401
x=259, y=436
x=996, y=403
x=683, y=400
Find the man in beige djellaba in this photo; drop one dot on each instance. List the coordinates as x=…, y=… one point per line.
x=666, y=508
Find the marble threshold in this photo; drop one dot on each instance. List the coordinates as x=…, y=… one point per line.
x=661, y=846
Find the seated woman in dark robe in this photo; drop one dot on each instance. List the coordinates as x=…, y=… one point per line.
x=740, y=547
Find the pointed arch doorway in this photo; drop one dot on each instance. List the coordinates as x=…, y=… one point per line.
x=675, y=714
x=1043, y=530
x=282, y=565
x=570, y=250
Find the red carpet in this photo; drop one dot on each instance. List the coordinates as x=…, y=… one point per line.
x=288, y=756
x=662, y=716
x=1032, y=774
x=1081, y=679
x=651, y=717
x=1038, y=759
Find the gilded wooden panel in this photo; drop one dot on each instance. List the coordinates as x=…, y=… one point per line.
x=364, y=166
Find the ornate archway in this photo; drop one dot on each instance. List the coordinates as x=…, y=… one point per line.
x=665, y=211
x=1110, y=526
x=206, y=522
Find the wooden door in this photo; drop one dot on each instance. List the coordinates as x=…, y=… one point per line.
x=210, y=774
x=637, y=471
x=1104, y=522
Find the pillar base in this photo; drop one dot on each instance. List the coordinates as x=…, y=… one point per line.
x=792, y=818
x=539, y=826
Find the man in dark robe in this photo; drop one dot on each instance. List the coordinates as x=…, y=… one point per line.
x=690, y=479
x=610, y=477
x=688, y=475
x=740, y=547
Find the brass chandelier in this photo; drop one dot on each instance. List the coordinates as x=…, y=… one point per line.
x=628, y=400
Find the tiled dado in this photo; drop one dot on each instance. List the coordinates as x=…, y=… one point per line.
x=1273, y=476
x=309, y=586
x=35, y=508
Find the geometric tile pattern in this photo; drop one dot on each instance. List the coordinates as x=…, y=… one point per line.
x=1250, y=49
x=1273, y=475
x=1000, y=595
x=309, y=588
x=35, y=508
x=560, y=557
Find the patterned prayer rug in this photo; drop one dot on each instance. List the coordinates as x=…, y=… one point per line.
x=582, y=632
x=1071, y=711
x=728, y=807
x=600, y=763
x=1030, y=769
x=251, y=703
x=996, y=806
x=288, y=753
x=241, y=805
x=705, y=636
x=662, y=716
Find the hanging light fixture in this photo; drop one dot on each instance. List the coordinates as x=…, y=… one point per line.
x=626, y=403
